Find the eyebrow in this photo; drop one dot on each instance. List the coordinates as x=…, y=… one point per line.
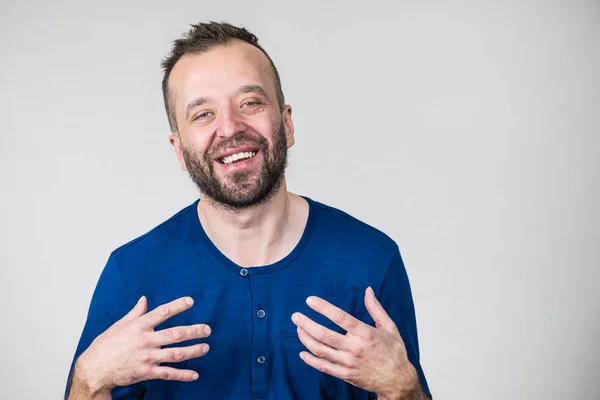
x=243, y=89
x=193, y=104
x=254, y=89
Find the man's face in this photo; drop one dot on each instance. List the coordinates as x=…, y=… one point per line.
x=233, y=138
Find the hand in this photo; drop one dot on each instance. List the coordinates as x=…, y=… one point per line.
x=130, y=350
x=371, y=358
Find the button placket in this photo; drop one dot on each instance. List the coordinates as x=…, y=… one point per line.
x=261, y=348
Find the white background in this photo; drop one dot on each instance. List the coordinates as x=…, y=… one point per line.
x=467, y=131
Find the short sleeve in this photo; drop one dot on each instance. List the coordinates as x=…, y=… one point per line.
x=110, y=302
x=396, y=298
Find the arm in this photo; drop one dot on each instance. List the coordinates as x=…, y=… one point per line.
x=381, y=359
x=123, y=355
x=81, y=388
x=416, y=394
x=395, y=296
x=110, y=302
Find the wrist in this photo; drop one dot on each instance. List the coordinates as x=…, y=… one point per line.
x=416, y=394
x=406, y=386
x=86, y=377
x=388, y=397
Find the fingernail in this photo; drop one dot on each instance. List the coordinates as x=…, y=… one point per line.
x=207, y=330
x=205, y=348
x=194, y=376
x=310, y=301
x=370, y=289
x=295, y=317
x=140, y=300
x=189, y=300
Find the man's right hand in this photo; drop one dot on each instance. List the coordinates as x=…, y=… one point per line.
x=130, y=350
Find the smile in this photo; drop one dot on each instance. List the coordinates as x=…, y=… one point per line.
x=237, y=157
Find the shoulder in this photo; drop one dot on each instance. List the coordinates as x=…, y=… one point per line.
x=345, y=232
x=173, y=232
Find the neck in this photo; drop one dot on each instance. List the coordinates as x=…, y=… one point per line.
x=258, y=235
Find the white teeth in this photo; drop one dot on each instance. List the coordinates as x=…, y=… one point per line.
x=237, y=156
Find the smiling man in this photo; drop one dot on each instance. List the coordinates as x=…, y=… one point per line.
x=251, y=292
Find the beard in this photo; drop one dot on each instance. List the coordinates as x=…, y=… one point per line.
x=246, y=188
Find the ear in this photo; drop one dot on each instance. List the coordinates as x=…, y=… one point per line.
x=176, y=142
x=288, y=125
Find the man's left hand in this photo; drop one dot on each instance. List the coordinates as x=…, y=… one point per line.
x=371, y=358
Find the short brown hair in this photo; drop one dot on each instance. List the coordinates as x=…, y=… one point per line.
x=201, y=38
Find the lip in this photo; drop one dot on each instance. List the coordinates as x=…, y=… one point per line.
x=229, y=152
x=239, y=165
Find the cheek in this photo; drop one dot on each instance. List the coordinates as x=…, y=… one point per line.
x=197, y=142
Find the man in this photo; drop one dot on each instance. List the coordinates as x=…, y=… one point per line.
x=251, y=292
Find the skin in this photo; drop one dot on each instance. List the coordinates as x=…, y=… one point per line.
x=256, y=235
x=372, y=358
x=130, y=351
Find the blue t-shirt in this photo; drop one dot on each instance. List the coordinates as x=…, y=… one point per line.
x=254, y=355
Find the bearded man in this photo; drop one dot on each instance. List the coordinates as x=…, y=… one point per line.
x=250, y=292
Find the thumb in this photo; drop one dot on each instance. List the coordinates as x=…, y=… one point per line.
x=378, y=313
x=137, y=311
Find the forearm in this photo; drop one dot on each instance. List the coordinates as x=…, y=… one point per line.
x=419, y=394
x=406, y=386
x=80, y=390
x=416, y=394
x=82, y=387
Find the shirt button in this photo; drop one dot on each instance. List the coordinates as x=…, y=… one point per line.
x=261, y=360
x=243, y=272
x=261, y=313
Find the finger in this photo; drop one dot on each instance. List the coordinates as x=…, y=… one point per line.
x=321, y=350
x=320, y=333
x=165, y=311
x=178, y=354
x=172, y=374
x=338, y=316
x=325, y=366
x=378, y=313
x=137, y=311
x=180, y=334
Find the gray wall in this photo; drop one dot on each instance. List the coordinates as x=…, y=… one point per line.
x=468, y=131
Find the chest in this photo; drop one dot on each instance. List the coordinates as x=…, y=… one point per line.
x=254, y=344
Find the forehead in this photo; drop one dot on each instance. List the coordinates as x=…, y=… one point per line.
x=220, y=72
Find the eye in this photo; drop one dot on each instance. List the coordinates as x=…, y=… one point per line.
x=203, y=115
x=251, y=103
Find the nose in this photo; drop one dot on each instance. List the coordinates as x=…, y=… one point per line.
x=231, y=123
